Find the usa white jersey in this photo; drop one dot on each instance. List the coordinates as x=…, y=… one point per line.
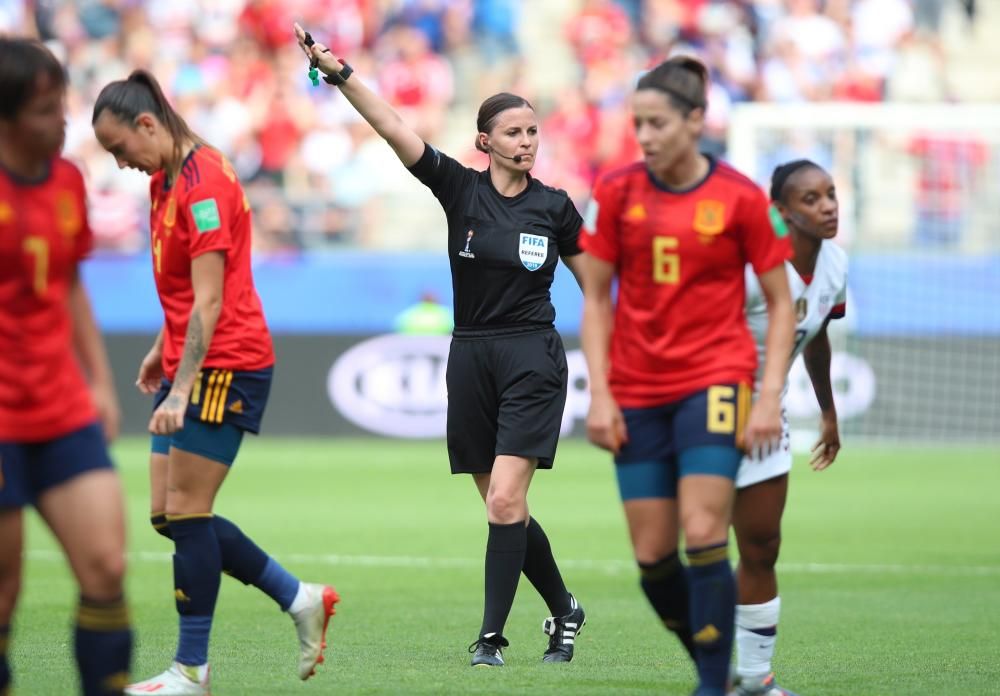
x=825, y=296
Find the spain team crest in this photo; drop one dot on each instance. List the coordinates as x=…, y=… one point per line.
x=533, y=250
x=68, y=214
x=709, y=217
x=6, y=212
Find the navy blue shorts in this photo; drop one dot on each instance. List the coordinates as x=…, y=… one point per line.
x=223, y=405
x=700, y=434
x=29, y=469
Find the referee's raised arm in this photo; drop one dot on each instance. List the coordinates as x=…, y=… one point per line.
x=407, y=145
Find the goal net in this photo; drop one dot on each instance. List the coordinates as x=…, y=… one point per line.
x=918, y=356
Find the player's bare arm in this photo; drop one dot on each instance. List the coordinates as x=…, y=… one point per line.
x=817, y=356
x=151, y=368
x=763, y=429
x=93, y=358
x=605, y=424
x=407, y=145
x=207, y=271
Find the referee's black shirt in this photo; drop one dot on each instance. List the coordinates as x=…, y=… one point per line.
x=503, y=251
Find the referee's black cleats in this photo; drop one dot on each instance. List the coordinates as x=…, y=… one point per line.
x=486, y=652
x=562, y=632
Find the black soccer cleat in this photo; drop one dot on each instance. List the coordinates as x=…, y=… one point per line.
x=486, y=652
x=562, y=632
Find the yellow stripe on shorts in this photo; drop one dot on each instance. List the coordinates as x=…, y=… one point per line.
x=220, y=409
x=206, y=407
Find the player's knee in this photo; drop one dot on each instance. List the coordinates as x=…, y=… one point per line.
x=651, y=546
x=505, y=507
x=102, y=574
x=760, y=553
x=704, y=529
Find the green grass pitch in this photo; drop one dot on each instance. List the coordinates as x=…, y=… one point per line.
x=890, y=577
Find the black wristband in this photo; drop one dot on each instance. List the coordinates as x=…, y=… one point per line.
x=340, y=78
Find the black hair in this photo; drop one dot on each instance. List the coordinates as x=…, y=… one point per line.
x=492, y=107
x=22, y=62
x=783, y=172
x=138, y=94
x=683, y=79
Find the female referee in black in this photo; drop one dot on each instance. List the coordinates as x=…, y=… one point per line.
x=507, y=368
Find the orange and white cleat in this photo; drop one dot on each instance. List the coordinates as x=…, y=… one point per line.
x=311, y=623
x=179, y=680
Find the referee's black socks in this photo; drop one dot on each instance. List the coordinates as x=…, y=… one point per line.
x=542, y=572
x=665, y=584
x=505, y=551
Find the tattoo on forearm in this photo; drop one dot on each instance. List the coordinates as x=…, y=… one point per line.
x=194, y=350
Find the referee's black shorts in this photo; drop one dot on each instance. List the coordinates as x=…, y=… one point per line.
x=506, y=394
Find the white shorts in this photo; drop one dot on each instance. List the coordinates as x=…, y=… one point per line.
x=773, y=465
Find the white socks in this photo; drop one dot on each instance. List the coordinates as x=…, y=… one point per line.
x=301, y=600
x=754, y=649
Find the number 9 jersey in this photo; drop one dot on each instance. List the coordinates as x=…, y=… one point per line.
x=679, y=256
x=43, y=237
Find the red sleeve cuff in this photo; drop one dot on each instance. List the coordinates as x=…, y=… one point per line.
x=839, y=311
x=220, y=245
x=590, y=244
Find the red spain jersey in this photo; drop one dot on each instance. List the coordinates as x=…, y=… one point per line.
x=205, y=210
x=679, y=257
x=43, y=236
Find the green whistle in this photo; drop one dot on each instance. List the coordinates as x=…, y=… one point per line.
x=314, y=76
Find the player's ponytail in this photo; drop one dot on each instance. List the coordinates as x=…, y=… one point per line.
x=683, y=79
x=141, y=93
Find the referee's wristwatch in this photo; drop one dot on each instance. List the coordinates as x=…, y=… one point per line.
x=339, y=78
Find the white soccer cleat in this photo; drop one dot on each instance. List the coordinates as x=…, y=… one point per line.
x=311, y=623
x=179, y=680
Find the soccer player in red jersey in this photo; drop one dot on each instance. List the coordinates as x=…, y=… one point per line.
x=210, y=369
x=671, y=362
x=54, y=416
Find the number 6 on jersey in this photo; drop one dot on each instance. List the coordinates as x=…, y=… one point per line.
x=666, y=261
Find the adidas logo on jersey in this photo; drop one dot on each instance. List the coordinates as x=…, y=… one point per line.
x=637, y=213
x=236, y=406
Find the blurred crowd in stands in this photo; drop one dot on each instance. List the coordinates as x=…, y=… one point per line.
x=315, y=172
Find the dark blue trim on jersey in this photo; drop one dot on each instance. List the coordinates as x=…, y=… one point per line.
x=712, y=164
x=167, y=184
x=29, y=181
x=190, y=170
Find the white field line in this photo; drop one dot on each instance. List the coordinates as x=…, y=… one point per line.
x=609, y=567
